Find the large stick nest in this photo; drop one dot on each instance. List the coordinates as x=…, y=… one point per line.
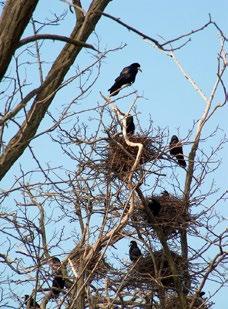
x=154, y=268
x=174, y=303
x=120, y=157
x=166, y=211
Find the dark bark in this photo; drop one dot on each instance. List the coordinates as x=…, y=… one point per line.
x=15, y=18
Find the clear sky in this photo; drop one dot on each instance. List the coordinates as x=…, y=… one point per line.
x=169, y=98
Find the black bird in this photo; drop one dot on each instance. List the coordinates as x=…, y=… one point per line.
x=30, y=302
x=165, y=193
x=175, y=148
x=154, y=206
x=129, y=123
x=134, y=251
x=58, y=282
x=201, y=294
x=127, y=76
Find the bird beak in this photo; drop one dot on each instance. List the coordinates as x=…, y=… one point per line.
x=139, y=69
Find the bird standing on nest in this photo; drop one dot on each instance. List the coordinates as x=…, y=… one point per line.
x=127, y=76
x=31, y=303
x=154, y=206
x=175, y=148
x=58, y=282
x=128, y=123
x=165, y=193
x=134, y=251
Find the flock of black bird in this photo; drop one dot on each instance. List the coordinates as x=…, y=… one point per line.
x=127, y=77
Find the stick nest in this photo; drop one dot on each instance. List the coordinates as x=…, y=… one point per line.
x=172, y=217
x=174, y=303
x=154, y=268
x=121, y=157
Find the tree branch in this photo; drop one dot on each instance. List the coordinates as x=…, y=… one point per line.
x=54, y=37
x=144, y=36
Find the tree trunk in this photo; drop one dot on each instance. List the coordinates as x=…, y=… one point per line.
x=15, y=18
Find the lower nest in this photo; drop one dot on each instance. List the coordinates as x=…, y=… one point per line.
x=167, y=212
x=120, y=157
x=154, y=268
x=174, y=303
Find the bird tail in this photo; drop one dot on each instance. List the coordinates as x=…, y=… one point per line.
x=181, y=160
x=114, y=90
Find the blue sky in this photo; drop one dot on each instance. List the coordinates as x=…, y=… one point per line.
x=169, y=98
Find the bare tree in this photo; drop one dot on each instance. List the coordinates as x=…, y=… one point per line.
x=63, y=226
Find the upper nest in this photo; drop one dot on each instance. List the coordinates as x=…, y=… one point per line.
x=168, y=212
x=121, y=157
x=154, y=268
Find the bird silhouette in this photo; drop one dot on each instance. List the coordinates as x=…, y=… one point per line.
x=130, y=126
x=175, y=148
x=154, y=206
x=58, y=282
x=30, y=302
x=128, y=122
x=127, y=76
x=134, y=251
x=165, y=193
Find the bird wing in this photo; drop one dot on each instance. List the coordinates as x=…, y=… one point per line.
x=123, y=74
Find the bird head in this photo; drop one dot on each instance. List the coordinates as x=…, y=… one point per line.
x=133, y=243
x=54, y=259
x=165, y=193
x=136, y=66
x=55, y=263
x=174, y=139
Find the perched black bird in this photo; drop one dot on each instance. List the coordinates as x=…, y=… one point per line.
x=165, y=193
x=127, y=76
x=30, y=302
x=154, y=206
x=175, y=148
x=201, y=294
x=134, y=251
x=129, y=123
x=58, y=282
